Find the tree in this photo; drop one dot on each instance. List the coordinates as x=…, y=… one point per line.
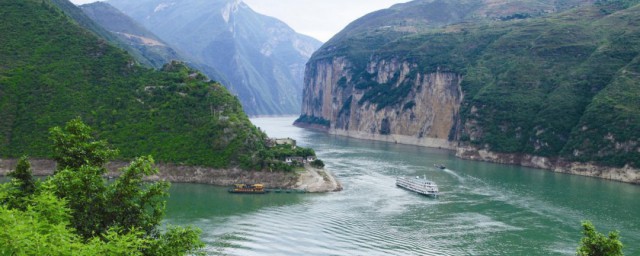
x=127, y=206
x=74, y=146
x=77, y=211
x=42, y=229
x=597, y=244
x=132, y=203
x=21, y=187
x=24, y=175
x=85, y=190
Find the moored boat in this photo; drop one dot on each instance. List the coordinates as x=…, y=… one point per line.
x=418, y=185
x=248, y=189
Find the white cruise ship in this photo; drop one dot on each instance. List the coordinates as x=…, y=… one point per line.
x=419, y=185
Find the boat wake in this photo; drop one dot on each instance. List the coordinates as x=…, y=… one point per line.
x=460, y=178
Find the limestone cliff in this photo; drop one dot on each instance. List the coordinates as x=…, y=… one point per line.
x=427, y=115
x=504, y=81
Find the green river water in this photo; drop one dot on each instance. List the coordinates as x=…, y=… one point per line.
x=483, y=209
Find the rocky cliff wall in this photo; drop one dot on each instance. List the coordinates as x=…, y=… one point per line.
x=427, y=115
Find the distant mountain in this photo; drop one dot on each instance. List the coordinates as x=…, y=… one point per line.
x=134, y=35
x=52, y=69
x=538, y=83
x=78, y=16
x=262, y=58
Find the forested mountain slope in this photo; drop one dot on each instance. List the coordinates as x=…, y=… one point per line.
x=53, y=70
x=556, y=82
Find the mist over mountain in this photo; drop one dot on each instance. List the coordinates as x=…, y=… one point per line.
x=262, y=58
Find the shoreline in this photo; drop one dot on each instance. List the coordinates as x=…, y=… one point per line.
x=624, y=174
x=205, y=175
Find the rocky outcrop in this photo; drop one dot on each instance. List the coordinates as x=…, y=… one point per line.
x=427, y=115
x=624, y=174
x=312, y=180
x=317, y=180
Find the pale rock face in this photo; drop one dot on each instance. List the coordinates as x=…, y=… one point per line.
x=430, y=122
x=230, y=9
x=279, y=35
x=624, y=174
x=162, y=6
x=433, y=121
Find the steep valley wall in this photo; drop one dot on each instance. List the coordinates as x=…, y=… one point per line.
x=428, y=115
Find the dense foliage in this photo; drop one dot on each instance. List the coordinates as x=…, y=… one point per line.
x=78, y=212
x=317, y=163
x=596, y=244
x=53, y=70
x=314, y=120
x=565, y=84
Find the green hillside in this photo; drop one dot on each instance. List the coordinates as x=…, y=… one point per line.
x=262, y=58
x=53, y=70
x=564, y=84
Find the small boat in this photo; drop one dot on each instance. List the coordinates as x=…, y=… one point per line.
x=248, y=189
x=418, y=185
x=439, y=166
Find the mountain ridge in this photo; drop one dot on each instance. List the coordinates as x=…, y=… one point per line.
x=154, y=49
x=262, y=58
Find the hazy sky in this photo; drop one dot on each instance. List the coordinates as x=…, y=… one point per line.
x=317, y=18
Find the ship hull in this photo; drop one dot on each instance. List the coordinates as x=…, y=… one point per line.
x=420, y=186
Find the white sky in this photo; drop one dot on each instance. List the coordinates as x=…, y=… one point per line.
x=320, y=19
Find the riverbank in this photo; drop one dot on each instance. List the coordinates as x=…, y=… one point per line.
x=625, y=174
x=307, y=179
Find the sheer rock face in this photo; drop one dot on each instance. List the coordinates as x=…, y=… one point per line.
x=532, y=94
x=426, y=116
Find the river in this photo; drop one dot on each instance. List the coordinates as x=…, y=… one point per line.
x=483, y=209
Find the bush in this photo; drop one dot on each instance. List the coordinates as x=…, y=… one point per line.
x=317, y=163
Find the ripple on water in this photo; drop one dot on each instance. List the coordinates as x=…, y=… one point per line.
x=474, y=215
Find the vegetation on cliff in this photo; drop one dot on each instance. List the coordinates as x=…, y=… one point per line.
x=77, y=211
x=53, y=70
x=313, y=120
x=563, y=84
